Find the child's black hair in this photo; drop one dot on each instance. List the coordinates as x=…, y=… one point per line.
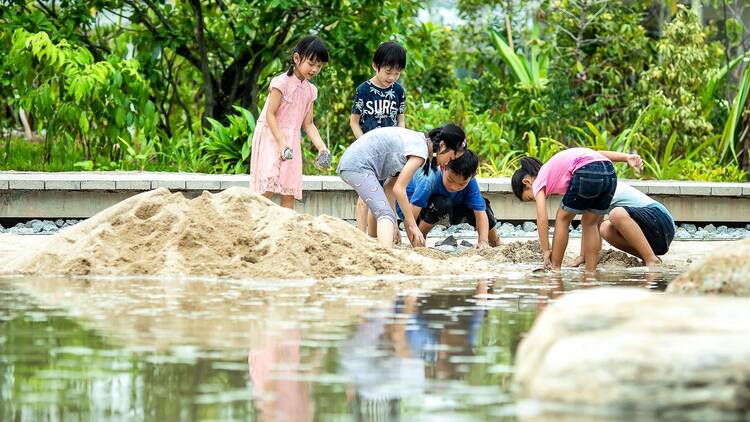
x=465, y=166
x=390, y=54
x=452, y=136
x=309, y=47
x=529, y=167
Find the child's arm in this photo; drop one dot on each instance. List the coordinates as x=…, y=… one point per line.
x=312, y=131
x=354, y=124
x=274, y=101
x=483, y=229
x=401, y=121
x=399, y=191
x=542, y=225
x=401, y=118
x=633, y=160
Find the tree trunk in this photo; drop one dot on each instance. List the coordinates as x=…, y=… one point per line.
x=209, y=92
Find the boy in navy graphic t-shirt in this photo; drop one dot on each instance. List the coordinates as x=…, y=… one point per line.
x=379, y=102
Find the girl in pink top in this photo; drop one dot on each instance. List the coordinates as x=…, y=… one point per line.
x=288, y=110
x=587, y=181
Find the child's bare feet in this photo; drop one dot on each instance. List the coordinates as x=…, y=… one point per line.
x=493, y=239
x=578, y=261
x=653, y=263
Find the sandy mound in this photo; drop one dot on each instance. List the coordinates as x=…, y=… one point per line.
x=234, y=233
x=514, y=252
x=611, y=257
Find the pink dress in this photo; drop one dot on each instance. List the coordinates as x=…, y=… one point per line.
x=268, y=173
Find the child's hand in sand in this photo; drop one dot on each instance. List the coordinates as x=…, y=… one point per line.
x=578, y=261
x=547, y=259
x=396, y=235
x=415, y=235
x=482, y=245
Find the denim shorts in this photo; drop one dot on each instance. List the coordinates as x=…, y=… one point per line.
x=656, y=225
x=591, y=189
x=440, y=206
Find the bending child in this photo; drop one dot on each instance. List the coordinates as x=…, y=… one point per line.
x=379, y=102
x=394, y=152
x=587, y=181
x=453, y=192
x=276, y=159
x=637, y=224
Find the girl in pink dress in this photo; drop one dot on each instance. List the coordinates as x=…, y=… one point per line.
x=288, y=110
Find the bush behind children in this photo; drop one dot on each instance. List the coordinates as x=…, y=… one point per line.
x=382, y=163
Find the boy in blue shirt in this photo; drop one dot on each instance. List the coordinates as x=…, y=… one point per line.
x=379, y=102
x=454, y=193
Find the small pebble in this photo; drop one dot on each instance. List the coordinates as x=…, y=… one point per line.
x=59, y=222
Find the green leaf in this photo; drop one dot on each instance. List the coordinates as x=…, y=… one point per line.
x=87, y=165
x=83, y=122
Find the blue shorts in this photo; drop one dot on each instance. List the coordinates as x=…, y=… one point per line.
x=656, y=225
x=591, y=189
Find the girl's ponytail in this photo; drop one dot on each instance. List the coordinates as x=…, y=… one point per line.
x=452, y=137
x=529, y=167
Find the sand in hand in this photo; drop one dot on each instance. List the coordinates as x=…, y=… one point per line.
x=235, y=233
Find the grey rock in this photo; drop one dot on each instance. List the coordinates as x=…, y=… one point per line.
x=466, y=244
x=690, y=228
x=574, y=356
x=681, y=233
x=507, y=230
x=50, y=228
x=700, y=234
x=19, y=225
x=747, y=227
x=528, y=226
x=37, y=225
x=519, y=228
x=464, y=227
x=71, y=222
x=448, y=241
x=60, y=222
x=722, y=229
x=710, y=228
x=30, y=224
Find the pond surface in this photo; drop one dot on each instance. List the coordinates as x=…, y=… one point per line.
x=135, y=349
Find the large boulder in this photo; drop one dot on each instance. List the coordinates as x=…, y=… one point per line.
x=628, y=352
x=723, y=271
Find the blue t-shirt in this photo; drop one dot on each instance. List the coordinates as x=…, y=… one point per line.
x=421, y=188
x=378, y=107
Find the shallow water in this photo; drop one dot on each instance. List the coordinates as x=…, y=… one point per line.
x=241, y=350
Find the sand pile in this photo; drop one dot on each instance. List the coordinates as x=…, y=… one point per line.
x=515, y=252
x=611, y=257
x=234, y=233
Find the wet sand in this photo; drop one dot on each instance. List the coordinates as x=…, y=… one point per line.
x=681, y=253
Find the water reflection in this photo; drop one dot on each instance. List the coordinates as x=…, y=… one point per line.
x=190, y=349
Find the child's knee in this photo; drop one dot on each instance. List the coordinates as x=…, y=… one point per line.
x=618, y=215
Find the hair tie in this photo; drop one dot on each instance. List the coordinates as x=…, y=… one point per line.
x=463, y=144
